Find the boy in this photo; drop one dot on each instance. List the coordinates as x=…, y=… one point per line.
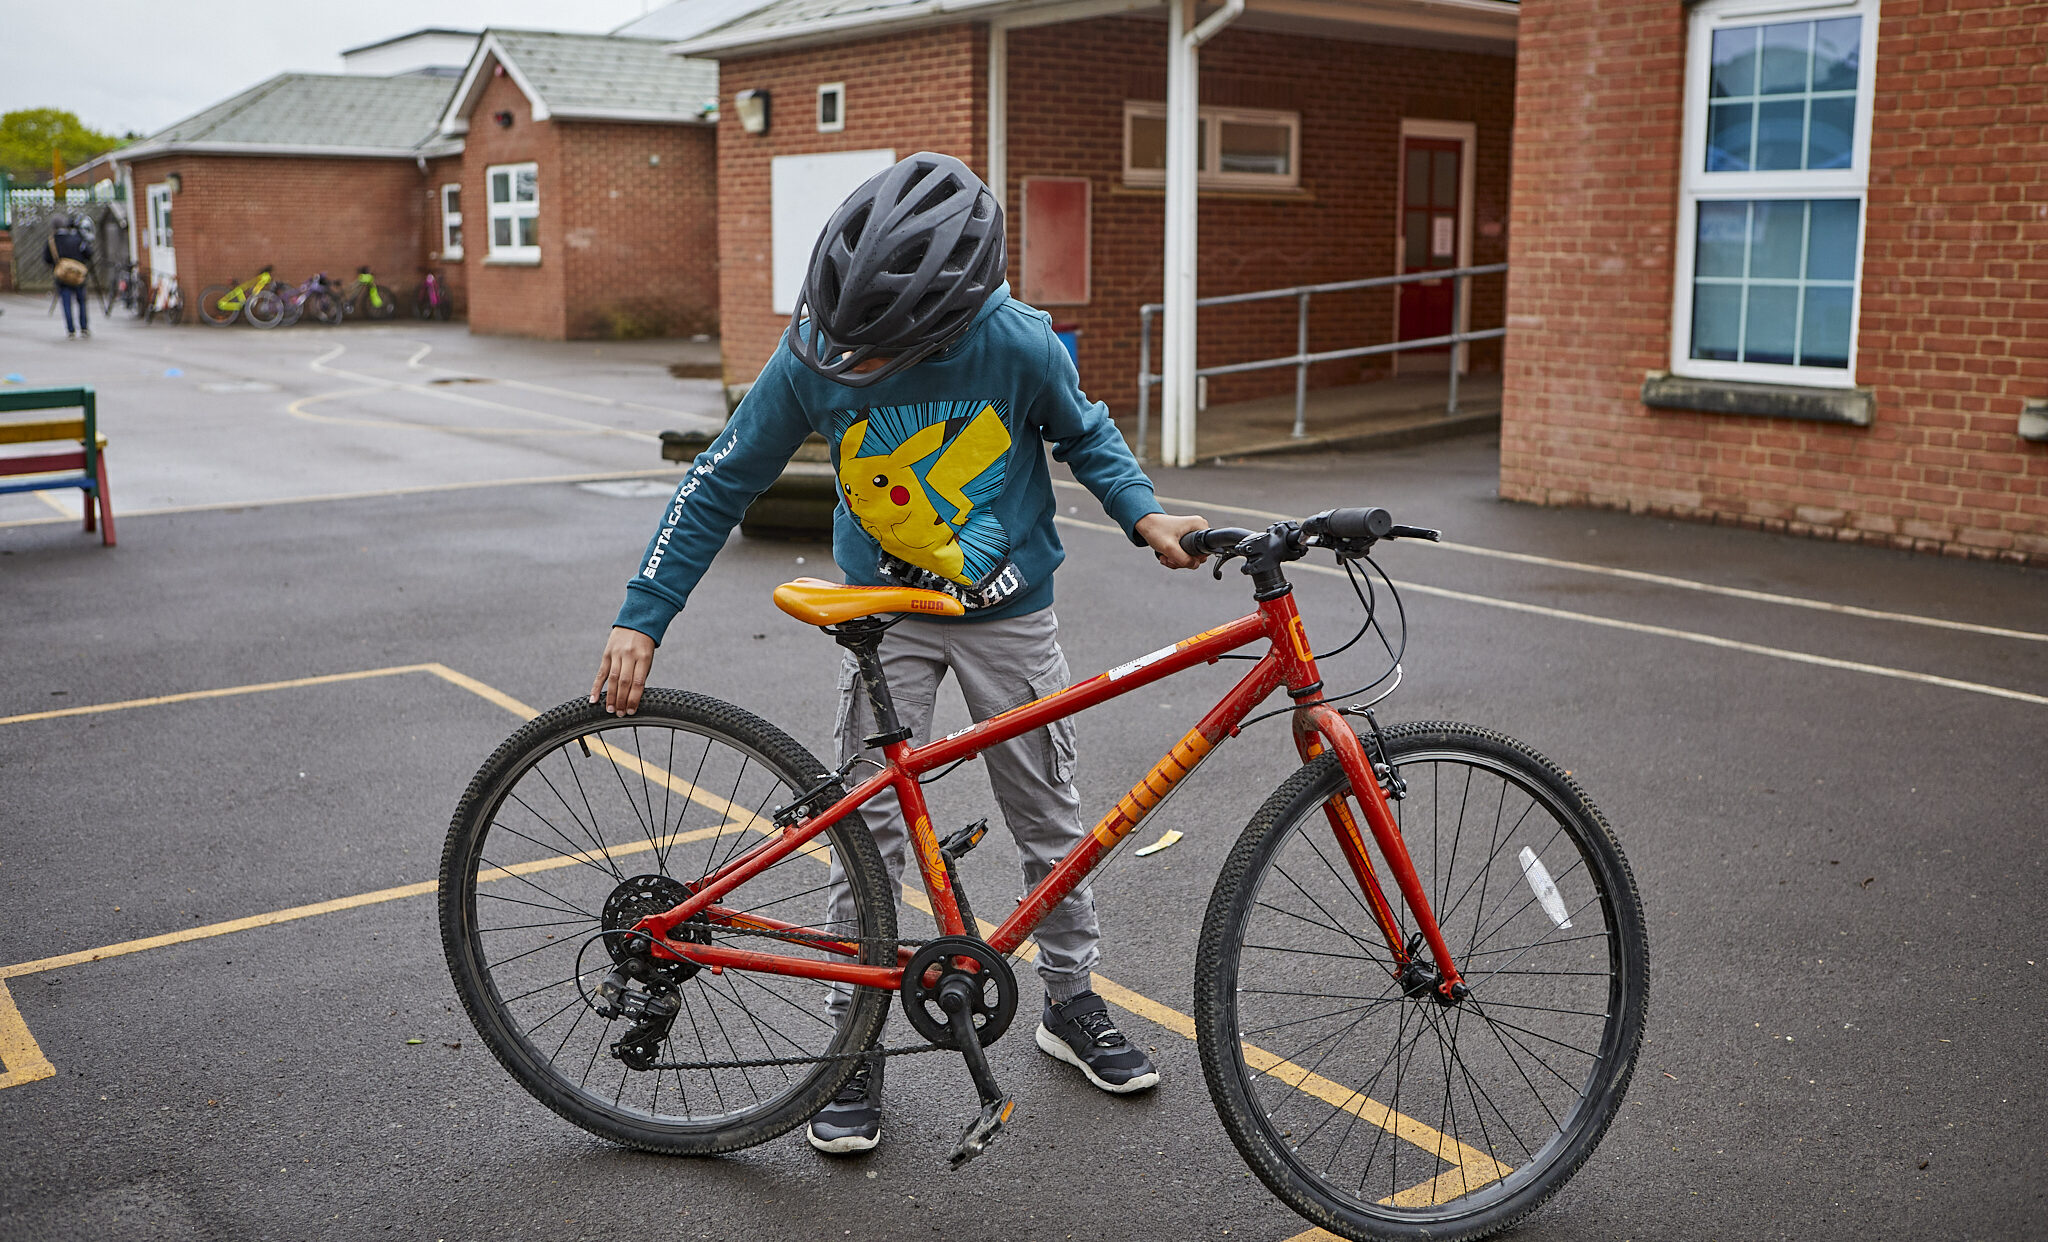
x=933, y=385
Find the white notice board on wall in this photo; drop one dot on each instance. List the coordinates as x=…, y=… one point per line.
x=805, y=189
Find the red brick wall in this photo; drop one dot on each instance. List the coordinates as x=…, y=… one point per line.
x=452, y=273
x=6, y=260
x=1954, y=329
x=628, y=225
x=1067, y=87
x=234, y=213
x=920, y=91
x=508, y=300
x=640, y=236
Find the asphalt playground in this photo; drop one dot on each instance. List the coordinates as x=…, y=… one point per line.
x=351, y=560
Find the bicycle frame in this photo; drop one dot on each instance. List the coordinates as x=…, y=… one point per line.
x=1317, y=727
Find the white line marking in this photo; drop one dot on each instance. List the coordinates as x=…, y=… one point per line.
x=673, y=472
x=1665, y=580
x=1661, y=631
x=319, y=366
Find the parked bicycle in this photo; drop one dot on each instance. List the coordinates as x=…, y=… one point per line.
x=623, y=905
x=430, y=299
x=315, y=297
x=254, y=300
x=165, y=299
x=367, y=298
x=122, y=289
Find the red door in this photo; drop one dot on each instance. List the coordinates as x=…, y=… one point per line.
x=1430, y=229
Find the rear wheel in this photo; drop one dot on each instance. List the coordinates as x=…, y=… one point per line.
x=1377, y=1110
x=378, y=303
x=324, y=307
x=581, y=824
x=221, y=305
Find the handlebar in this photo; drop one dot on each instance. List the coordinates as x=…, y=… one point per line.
x=1342, y=529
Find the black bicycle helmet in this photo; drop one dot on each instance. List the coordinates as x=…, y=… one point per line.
x=900, y=270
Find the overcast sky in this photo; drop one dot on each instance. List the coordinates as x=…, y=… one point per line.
x=141, y=64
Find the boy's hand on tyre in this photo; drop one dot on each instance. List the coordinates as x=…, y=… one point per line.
x=1162, y=531
x=622, y=671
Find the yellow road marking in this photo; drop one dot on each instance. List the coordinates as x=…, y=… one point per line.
x=188, y=696
x=20, y=1059
x=23, y=1060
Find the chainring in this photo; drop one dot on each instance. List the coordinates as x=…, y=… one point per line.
x=995, y=992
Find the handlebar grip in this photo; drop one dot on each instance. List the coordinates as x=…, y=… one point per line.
x=1373, y=523
x=1214, y=539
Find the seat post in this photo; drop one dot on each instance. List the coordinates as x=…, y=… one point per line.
x=863, y=637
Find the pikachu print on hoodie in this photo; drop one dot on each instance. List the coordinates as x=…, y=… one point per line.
x=920, y=479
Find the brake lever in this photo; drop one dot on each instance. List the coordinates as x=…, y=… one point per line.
x=1415, y=532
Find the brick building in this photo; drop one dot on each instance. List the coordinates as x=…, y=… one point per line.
x=1311, y=117
x=1785, y=264
x=588, y=186
x=307, y=172
x=581, y=203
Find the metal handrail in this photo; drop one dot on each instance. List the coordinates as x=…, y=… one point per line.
x=1301, y=358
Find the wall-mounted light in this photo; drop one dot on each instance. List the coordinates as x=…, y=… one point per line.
x=504, y=119
x=175, y=181
x=752, y=107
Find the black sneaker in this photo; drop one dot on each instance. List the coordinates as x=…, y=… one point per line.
x=1080, y=1033
x=853, y=1120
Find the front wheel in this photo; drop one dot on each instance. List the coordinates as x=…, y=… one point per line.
x=1378, y=1110
x=266, y=309
x=377, y=304
x=583, y=823
x=220, y=305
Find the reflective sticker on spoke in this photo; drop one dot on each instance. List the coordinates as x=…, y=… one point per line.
x=1545, y=889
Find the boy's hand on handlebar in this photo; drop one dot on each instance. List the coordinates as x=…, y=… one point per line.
x=1162, y=532
x=622, y=671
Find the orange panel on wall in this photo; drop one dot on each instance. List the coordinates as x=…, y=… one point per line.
x=1056, y=240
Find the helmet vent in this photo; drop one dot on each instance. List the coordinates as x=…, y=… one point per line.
x=856, y=226
x=908, y=259
x=941, y=194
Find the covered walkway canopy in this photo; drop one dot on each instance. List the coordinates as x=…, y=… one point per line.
x=1456, y=25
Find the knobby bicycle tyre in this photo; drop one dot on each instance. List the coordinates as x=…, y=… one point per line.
x=583, y=821
x=211, y=310
x=1327, y=1074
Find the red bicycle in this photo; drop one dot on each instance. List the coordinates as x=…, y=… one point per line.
x=635, y=912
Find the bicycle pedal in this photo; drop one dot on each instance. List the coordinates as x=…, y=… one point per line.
x=956, y=846
x=982, y=1131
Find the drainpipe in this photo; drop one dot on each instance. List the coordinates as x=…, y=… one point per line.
x=1183, y=130
x=999, y=112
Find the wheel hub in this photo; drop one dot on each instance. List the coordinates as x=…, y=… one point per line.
x=636, y=899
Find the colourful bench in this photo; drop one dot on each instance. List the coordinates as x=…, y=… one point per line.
x=84, y=468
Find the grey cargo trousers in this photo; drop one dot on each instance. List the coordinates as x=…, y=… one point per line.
x=999, y=665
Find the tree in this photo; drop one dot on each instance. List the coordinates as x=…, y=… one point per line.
x=27, y=136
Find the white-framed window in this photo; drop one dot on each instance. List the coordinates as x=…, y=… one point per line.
x=1777, y=161
x=831, y=107
x=513, y=192
x=451, y=221
x=1239, y=148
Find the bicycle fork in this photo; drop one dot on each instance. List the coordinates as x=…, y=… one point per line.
x=1317, y=728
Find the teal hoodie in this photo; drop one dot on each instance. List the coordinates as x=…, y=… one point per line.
x=942, y=484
